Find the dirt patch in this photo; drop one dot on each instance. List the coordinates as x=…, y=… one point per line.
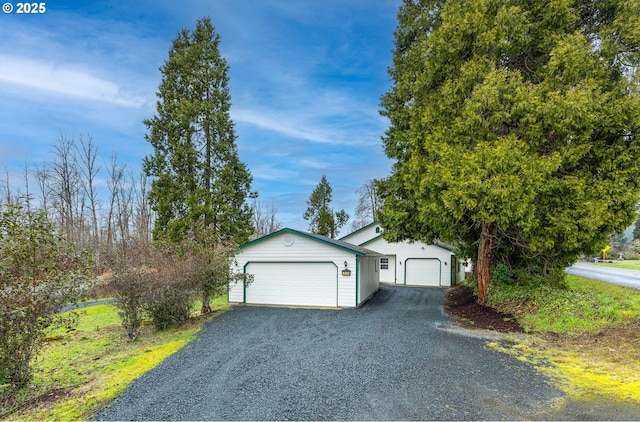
x=461, y=304
x=620, y=338
x=616, y=349
x=10, y=405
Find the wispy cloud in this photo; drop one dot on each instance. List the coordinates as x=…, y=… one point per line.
x=65, y=80
x=288, y=125
x=305, y=81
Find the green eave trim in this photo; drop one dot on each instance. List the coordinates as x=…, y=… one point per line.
x=329, y=242
x=371, y=240
x=441, y=246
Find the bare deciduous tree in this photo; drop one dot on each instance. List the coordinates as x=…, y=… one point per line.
x=369, y=202
x=115, y=184
x=142, y=212
x=42, y=175
x=264, y=218
x=5, y=190
x=65, y=184
x=88, y=152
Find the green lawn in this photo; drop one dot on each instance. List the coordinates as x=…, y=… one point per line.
x=628, y=264
x=80, y=371
x=584, y=306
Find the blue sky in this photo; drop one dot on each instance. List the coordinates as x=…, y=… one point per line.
x=305, y=76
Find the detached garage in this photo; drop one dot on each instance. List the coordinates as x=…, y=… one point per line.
x=296, y=268
x=411, y=263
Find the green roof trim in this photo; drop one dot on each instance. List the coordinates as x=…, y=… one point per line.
x=437, y=243
x=357, y=250
x=371, y=240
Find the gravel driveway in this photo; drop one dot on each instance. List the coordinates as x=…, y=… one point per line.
x=396, y=358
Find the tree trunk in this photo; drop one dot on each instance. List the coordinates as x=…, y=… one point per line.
x=206, y=303
x=486, y=256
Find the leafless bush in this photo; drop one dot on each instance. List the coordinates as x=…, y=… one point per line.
x=171, y=294
x=162, y=282
x=128, y=280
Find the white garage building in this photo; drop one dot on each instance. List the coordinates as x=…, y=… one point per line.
x=410, y=263
x=295, y=268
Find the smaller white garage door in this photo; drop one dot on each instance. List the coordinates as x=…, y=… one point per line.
x=293, y=283
x=422, y=272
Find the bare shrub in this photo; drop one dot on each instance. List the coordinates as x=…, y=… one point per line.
x=171, y=294
x=129, y=286
x=162, y=282
x=128, y=280
x=212, y=264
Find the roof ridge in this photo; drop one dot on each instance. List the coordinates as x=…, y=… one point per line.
x=335, y=242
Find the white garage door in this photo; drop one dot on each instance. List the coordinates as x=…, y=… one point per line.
x=293, y=283
x=422, y=272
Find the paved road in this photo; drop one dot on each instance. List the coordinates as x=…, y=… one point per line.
x=396, y=358
x=629, y=278
x=81, y=305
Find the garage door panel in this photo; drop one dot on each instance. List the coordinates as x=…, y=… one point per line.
x=422, y=272
x=293, y=283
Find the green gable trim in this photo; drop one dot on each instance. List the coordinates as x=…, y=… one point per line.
x=437, y=244
x=371, y=240
x=355, y=249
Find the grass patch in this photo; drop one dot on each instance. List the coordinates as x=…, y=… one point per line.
x=79, y=371
x=632, y=264
x=585, y=306
x=585, y=336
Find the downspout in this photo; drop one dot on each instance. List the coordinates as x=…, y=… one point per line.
x=357, y=281
x=244, y=282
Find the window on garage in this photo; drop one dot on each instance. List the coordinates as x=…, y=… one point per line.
x=384, y=263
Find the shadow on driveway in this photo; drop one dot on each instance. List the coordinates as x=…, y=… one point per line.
x=395, y=358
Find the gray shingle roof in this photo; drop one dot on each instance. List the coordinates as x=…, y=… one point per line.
x=358, y=250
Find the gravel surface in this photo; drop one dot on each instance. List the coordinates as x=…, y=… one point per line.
x=396, y=358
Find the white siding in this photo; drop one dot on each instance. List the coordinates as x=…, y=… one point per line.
x=369, y=277
x=388, y=275
x=347, y=284
x=289, y=247
x=364, y=234
x=407, y=250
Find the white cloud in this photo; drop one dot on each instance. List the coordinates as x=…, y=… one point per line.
x=273, y=173
x=65, y=80
x=286, y=125
x=324, y=127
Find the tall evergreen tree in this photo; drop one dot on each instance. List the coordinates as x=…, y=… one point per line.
x=198, y=179
x=514, y=129
x=322, y=219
